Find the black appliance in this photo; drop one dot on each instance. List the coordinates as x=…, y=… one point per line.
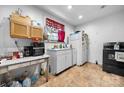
x=37, y=44
x=28, y=51
x=36, y=49
x=110, y=63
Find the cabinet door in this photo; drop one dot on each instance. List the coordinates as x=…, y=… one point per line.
x=19, y=30
x=36, y=32
x=60, y=64
x=20, y=26
x=68, y=59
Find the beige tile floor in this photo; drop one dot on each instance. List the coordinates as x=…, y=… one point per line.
x=88, y=75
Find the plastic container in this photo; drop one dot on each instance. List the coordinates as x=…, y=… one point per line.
x=27, y=82
x=16, y=84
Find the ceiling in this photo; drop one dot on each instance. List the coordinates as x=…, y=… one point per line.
x=89, y=12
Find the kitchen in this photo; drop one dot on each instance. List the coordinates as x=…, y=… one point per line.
x=38, y=47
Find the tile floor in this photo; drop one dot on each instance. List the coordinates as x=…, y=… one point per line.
x=88, y=75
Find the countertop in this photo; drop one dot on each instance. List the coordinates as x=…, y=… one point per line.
x=113, y=49
x=59, y=49
x=21, y=60
x=53, y=42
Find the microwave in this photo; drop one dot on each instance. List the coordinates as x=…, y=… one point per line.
x=34, y=50
x=37, y=51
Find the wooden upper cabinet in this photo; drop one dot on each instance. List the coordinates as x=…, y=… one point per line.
x=36, y=32
x=20, y=26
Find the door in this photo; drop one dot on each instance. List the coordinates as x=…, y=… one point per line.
x=74, y=57
x=78, y=46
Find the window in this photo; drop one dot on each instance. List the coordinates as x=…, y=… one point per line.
x=52, y=29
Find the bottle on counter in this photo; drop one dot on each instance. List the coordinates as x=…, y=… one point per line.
x=63, y=46
x=21, y=54
x=60, y=46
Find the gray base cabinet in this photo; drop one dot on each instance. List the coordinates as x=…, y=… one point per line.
x=60, y=60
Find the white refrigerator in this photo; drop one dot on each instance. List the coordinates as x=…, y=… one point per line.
x=78, y=42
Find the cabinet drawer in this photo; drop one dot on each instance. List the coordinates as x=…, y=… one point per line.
x=68, y=52
x=18, y=66
x=37, y=62
x=3, y=70
x=60, y=52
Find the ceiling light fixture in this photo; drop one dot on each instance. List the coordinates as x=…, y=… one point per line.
x=80, y=17
x=69, y=7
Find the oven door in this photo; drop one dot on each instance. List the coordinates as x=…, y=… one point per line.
x=38, y=51
x=119, y=56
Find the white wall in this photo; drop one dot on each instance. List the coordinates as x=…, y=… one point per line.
x=106, y=29
x=35, y=14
